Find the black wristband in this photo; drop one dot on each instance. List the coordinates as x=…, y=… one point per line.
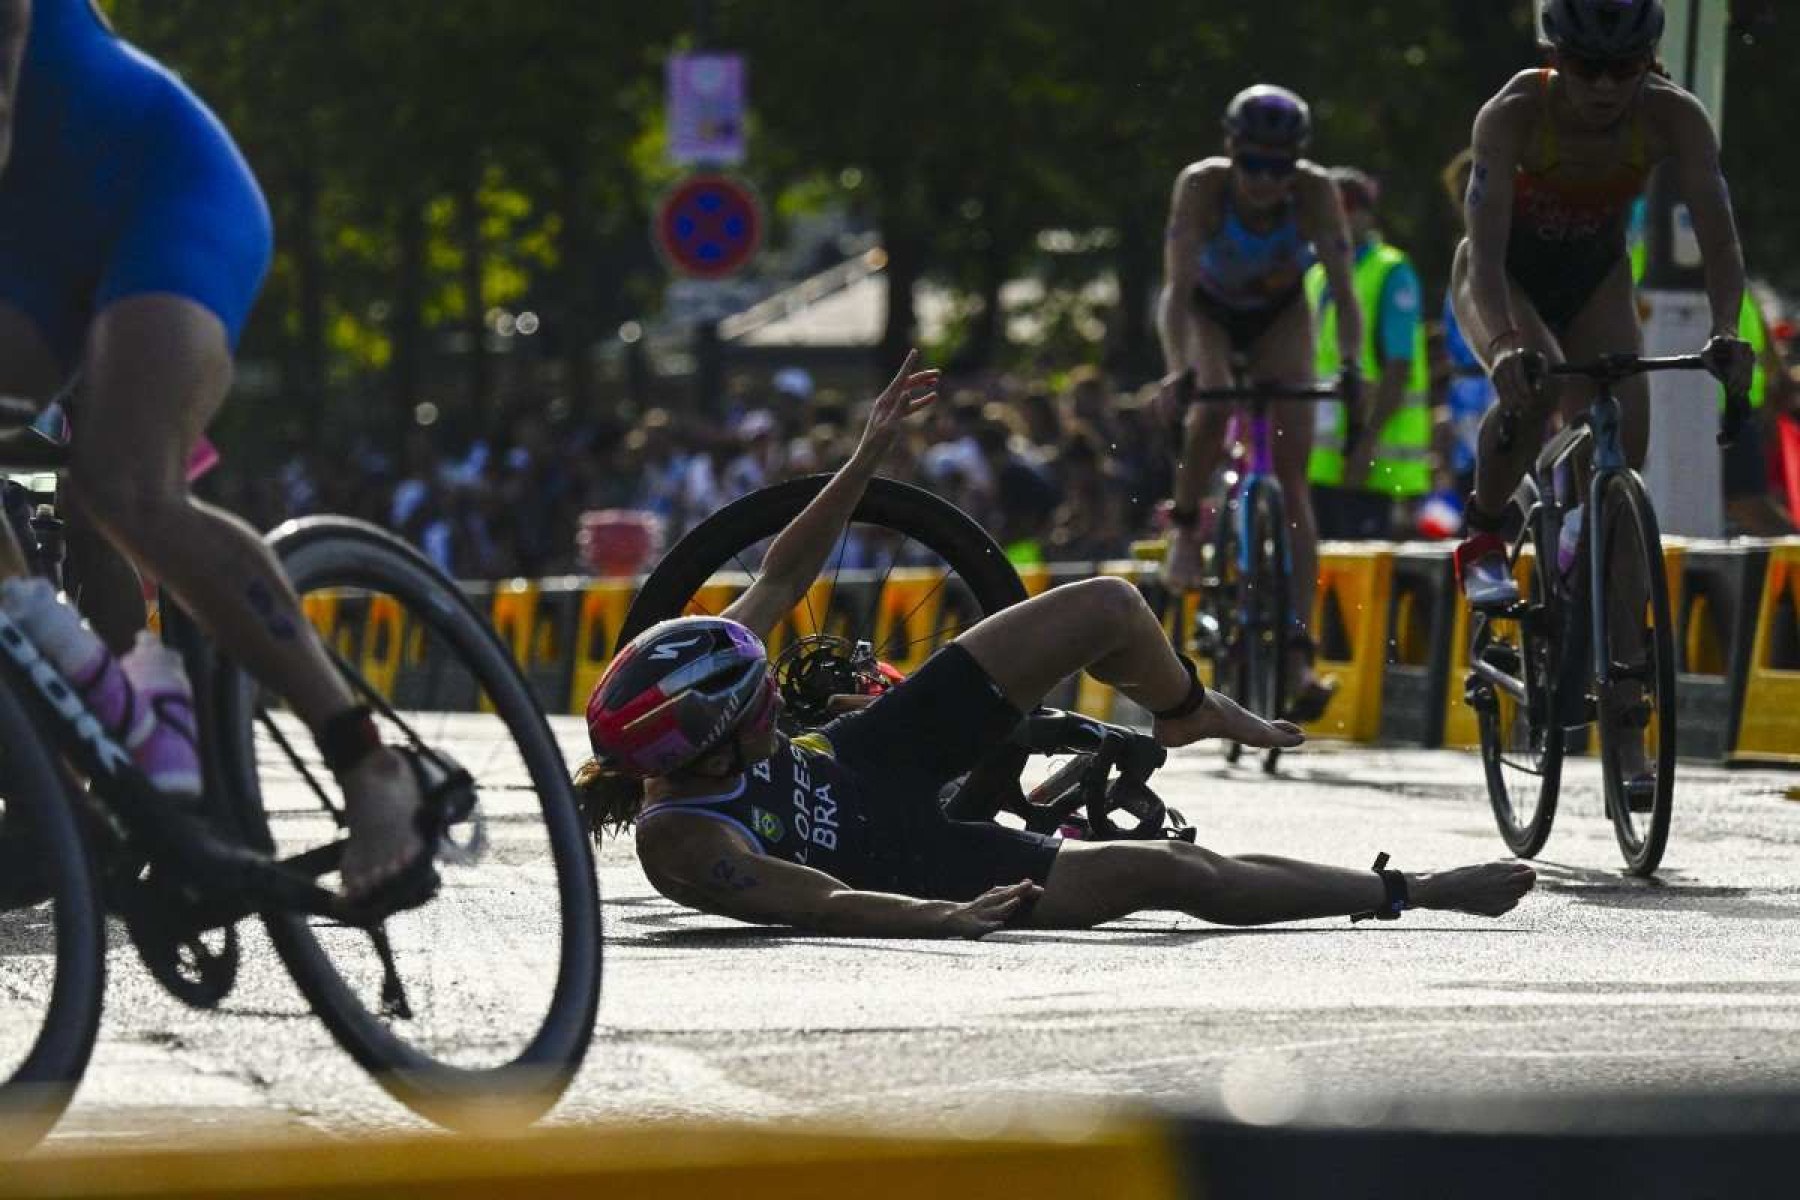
x=346, y=739
x=1196, y=695
x=1184, y=518
x=1397, y=898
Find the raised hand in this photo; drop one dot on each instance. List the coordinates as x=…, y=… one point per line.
x=909, y=393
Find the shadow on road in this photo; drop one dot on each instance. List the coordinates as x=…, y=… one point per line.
x=1670, y=891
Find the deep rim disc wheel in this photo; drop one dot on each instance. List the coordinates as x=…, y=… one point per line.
x=908, y=574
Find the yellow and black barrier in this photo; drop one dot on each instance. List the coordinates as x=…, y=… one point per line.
x=1387, y=617
x=1416, y=675
x=1769, y=729
x=1716, y=598
x=1350, y=621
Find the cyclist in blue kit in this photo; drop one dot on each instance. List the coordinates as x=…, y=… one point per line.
x=839, y=830
x=133, y=241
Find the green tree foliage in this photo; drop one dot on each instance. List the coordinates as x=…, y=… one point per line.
x=430, y=160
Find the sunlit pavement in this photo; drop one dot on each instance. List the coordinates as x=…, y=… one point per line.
x=1595, y=981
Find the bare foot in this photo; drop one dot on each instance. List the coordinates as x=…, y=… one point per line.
x=1486, y=889
x=1181, y=563
x=1221, y=716
x=381, y=802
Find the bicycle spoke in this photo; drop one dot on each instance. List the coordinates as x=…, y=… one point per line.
x=925, y=599
x=837, y=571
x=287, y=747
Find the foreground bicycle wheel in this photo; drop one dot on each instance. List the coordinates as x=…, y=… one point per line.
x=52, y=937
x=1637, y=718
x=1521, y=743
x=908, y=574
x=501, y=971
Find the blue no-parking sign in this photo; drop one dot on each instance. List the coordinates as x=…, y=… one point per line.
x=709, y=226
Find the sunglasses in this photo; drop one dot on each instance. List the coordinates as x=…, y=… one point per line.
x=1279, y=166
x=1622, y=69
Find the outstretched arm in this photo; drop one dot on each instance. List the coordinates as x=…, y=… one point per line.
x=800, y=551
x=712, y=870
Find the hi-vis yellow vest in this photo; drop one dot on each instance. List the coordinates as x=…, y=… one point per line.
x=1403, y=450
x=1750, y=327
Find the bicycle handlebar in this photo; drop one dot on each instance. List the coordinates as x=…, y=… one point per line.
x=1320, y=391
x=1611, y=368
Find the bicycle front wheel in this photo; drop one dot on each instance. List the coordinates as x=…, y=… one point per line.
x=1637, y=704
x=909, y=573
x=52, y=937
x=495, y=981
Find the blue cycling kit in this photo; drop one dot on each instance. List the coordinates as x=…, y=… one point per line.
x=1243, y=270
x=121, y=183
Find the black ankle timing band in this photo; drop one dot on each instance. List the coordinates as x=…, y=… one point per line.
x=1196, y=695
x=1396, y=900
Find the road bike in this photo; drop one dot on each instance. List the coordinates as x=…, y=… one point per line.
x=1590, y=638
x=450, y=1005
x=1244, y=622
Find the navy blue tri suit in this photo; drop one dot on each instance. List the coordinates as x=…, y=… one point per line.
x=858, y=798
x=121, y=183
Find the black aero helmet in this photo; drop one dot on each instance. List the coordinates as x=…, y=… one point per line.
x=1266, y=115
x=1603, y=28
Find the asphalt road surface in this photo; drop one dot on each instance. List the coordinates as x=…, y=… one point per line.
x=1597, y=981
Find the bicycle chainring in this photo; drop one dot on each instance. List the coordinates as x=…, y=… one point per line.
x=196, y=966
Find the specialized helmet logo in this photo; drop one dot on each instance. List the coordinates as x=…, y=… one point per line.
x=670, y=651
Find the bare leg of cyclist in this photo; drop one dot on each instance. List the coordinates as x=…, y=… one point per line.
x=1609, y=324
x=1285, y=357
x=1104, y=627
x=1497, y=471
x=1094, y=882
x=28, y=371
x=1202, y=446
x=103, y=583
x=158, y=369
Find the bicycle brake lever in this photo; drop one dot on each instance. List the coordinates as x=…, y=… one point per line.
x=1733, y=419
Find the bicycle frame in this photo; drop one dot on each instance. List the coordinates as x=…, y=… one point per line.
x=1605, y=461
x=225, y=881
x=1253, y=402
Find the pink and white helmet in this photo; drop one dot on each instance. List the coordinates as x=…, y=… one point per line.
x=678, y=691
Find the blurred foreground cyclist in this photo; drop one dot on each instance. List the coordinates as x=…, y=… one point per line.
x=133, y=241
x=840, y=830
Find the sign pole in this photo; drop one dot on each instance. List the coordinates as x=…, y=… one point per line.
x=1683, y=469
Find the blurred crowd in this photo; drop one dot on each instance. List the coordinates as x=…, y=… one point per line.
x=1068, y=473
x=1073, y=471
